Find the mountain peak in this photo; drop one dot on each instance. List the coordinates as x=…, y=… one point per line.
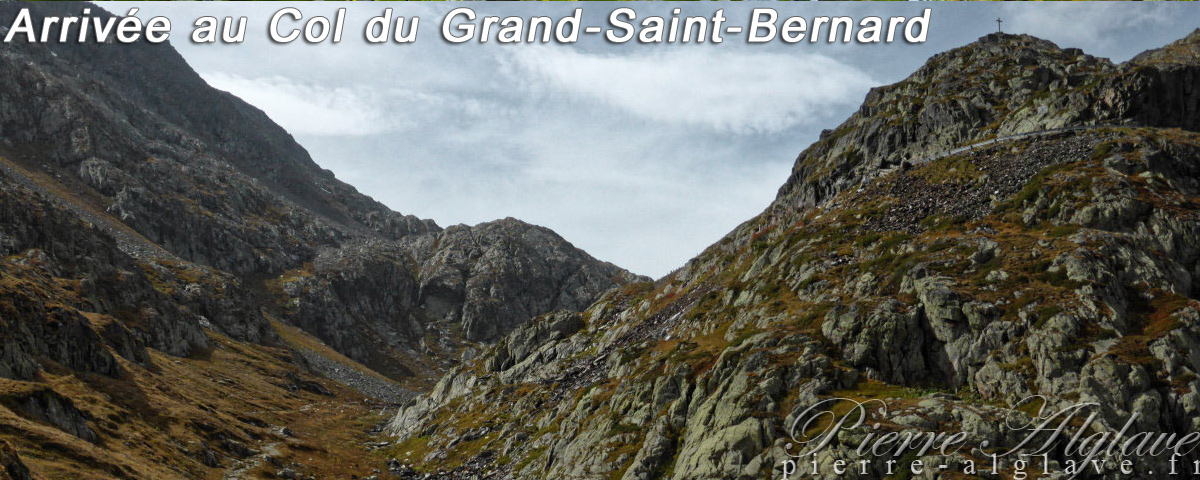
x=998, y=56
x=1016, y=39
x=998, y=86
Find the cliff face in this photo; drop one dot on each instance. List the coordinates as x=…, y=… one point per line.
x=1058, y=256
x=162, y=242
x=406, y=308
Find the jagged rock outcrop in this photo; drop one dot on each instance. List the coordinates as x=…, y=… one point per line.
x=432, y=294
x=946, y=285
x=69, y=294
x=1159, y=87
x=494, y=276
x=47, y=406
x=11, y=467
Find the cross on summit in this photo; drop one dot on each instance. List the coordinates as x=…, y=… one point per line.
x=998, y=22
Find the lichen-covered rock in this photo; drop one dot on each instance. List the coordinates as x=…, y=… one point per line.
x=397, y=306
x=951, y=289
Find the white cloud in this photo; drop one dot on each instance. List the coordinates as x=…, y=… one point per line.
x=306, y=109
x=725, y=90
x=1090, y=27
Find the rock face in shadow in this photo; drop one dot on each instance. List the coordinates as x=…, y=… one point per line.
x=943, y=288
x=11, y=467
x=47, y=406
x=66, y=284
x=1161, y=90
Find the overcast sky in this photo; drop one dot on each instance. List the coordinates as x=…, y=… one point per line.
x=640, y=154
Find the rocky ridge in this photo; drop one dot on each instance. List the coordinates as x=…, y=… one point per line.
x=1061, y=268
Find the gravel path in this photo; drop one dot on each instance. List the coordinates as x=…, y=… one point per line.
x=1006, y=138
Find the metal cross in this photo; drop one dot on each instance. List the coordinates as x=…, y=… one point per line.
x=998, y=22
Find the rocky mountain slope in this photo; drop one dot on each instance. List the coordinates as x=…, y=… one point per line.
x=1056, y=257
x=182, y=174
x=175, y=267
x=412, y=306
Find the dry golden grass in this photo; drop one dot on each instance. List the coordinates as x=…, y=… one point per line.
x=154, y=421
